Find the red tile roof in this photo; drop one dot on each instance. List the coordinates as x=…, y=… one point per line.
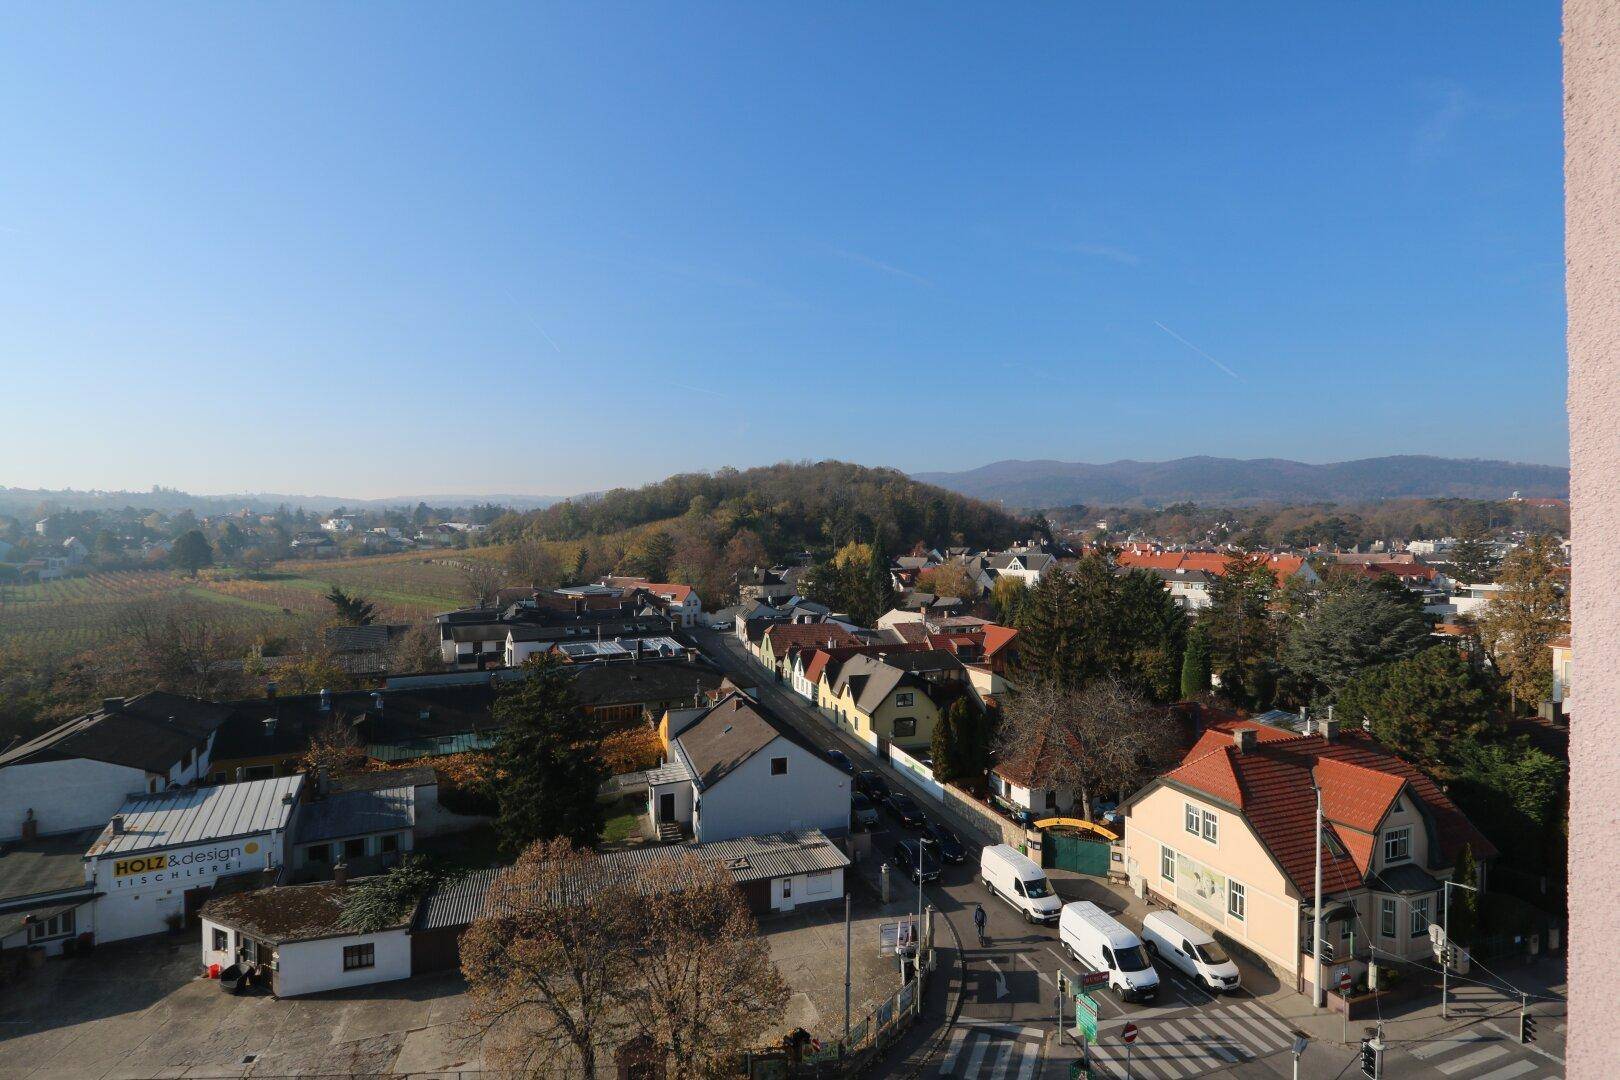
x=784, y=636
x=997, y=638
x=1272, y=785
x=1211, y=562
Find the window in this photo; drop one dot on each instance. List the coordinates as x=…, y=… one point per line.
x=54, y=927
x=787, y=888
x=222, y=940
x=1051, y=799
x=1209, y=826
x=1237, y=900
x=354, y=849
x=1192, y=819
x=904, y=701
x=1420, y=917
x=388, y=844
x=778, y=766
x=359, y=956
x=1386, y=916
x=904, y=726
x=318, y=853
x=1167, y=864
x=1397, y=845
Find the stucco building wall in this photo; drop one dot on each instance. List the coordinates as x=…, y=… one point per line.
x=1592, y=253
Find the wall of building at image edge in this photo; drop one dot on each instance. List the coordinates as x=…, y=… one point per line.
x=1592, y=251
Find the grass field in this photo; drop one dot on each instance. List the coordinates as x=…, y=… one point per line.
x=73, y=614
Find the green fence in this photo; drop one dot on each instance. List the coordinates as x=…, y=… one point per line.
x=1069, y=851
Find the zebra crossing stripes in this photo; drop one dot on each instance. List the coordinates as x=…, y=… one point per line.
x=1193, y=1045
x=1477, y=1056
x=993, y=1052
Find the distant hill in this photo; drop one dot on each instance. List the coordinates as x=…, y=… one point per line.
x=1214, y=480
x=169, y=500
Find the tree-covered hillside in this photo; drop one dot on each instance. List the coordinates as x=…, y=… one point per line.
x=715, y=524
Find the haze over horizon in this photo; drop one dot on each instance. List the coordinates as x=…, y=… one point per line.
x=322, y=250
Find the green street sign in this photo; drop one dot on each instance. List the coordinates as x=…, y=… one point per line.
x=1085, y=1016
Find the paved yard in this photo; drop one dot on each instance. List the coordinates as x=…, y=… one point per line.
x=138, y=1010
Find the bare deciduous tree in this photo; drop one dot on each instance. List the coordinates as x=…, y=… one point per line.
x=417, y=649
x=480, y=580
x=533, y=564
x=1104, y=737
x=183, y=647
x=547, y=969
x=706, y=988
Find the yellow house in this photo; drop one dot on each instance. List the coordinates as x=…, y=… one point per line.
x=879, y=703
x=1227, y=839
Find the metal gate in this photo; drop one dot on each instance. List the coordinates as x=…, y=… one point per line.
x=1067, y=851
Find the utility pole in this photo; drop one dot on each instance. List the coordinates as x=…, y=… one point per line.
x=846, y=968
x=1448, y=950
x=1319, y=992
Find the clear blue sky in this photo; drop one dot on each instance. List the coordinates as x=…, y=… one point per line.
x=376, y=249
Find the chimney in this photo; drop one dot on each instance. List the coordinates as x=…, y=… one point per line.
x=340, y=875
x=269, y=726
x=269, y=875
x=1243, y=739
x=270, y=691
x=1330, y=729
x=326, y=700
x=241, y=774
x=112, y=704
x=118, y=824
x=30, y=828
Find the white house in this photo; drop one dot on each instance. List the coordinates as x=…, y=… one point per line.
x=74, y=551
x=292, y=932
x=157, y=860
x=78, y=774
x=745, y=773
x=340, y=525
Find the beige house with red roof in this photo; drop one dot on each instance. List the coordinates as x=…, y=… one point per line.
x=781, y=639
x=1209, y=562
x=1228, y=839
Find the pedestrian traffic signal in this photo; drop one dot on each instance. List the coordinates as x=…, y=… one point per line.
x=1062, y=984
x=1527, y=1027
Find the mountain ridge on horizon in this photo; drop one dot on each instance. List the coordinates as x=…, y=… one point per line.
x=1235, y=481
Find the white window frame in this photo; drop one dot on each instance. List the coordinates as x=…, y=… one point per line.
x=1401, y=838
x=1237, y=900
x=1167, y=861
x=1419, y=917
x=1211, y=823
x=1192, y=819
x=1388, y=917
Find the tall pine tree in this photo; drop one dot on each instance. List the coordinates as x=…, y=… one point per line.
x=548, y=761
x=1195, y=671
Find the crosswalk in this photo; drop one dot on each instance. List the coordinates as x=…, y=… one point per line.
x=984, y=1051
x=1193, y=1044
x=1476, y=1055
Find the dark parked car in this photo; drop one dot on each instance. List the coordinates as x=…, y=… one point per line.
x=944, y=842
x=841, y=759
x=919, y=863
x=862, y=812
x=872, y=785
x=905, y=808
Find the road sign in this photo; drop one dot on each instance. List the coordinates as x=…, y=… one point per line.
x=1344, y=980
x=1085, y=1017
x=1094, y=978
x=1128, y=1033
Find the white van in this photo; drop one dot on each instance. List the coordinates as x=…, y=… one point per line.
x=1019, y=880
x=1190, y=950
x=1095, y=939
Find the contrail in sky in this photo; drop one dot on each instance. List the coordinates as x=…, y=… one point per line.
x=1199, y=351
x=534, y=320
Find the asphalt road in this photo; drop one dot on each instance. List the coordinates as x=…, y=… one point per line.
x=1006, y=1022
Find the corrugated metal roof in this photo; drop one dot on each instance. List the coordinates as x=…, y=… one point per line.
x=671, y=772
x=197, y=815
x=749, y=858
x=456, y=903
x=357, y=813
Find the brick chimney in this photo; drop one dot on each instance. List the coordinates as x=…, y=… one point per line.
x=340, y=875
x=1243, y=739
x=1329, y=729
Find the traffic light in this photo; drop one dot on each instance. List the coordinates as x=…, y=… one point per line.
x=1369, y=1059
x=1527, y=1027
x=1062, y=984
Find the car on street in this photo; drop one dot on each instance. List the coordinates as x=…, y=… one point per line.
x=872, y=785
x=944, y=842
x=841, y=759
x=906, y=810
x=862, y=812
x=919, y=864
x=723, y=624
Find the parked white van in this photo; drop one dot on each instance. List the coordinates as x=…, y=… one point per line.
x=1190, y=950
x=1020, y=881
x=1095, y=939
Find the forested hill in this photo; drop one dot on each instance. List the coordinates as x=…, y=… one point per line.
x=789, y=507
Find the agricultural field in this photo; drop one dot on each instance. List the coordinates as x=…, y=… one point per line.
x=73, y=614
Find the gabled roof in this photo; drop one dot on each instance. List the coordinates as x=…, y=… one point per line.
x=200, y=815
x=728, y=734
x=785, y=636
x=871, y=679
x=153, y=732
x=358, y=812
x=997, y=638
x=1273, y=784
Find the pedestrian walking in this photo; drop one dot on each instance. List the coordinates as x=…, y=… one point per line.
x=978, y=922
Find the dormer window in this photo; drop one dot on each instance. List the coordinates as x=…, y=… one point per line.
x=1397, y=845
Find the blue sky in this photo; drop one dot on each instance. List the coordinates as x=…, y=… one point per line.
x=372, y=249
